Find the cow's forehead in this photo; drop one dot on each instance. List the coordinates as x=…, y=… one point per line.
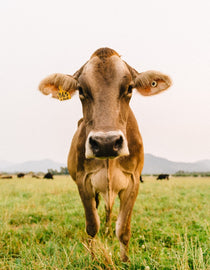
x=113, y=68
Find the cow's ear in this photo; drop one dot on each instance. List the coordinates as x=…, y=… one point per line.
x=61, y=86
x=151, y=82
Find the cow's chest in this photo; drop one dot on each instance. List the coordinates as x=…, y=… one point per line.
x=109, y=183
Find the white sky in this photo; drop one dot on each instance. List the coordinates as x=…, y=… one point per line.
x=43, y=37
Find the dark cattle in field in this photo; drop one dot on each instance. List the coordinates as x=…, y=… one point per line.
x=141, y=179
x=48, y=176
x=163, y=176
x=106, y=154
x=20, y=175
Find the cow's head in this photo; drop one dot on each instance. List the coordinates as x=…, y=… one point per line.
x=105, y=84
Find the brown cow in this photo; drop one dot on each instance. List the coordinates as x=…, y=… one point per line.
x=106, y=154
x=6, y=177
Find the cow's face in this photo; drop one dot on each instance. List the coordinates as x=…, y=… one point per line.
x=105, y=89
x=105, y=85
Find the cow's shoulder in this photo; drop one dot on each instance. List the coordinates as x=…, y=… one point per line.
x=135, y=160
x=133, y=134
x=77, y=150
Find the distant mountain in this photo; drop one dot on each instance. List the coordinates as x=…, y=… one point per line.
x=152, y=165
x=156, y=165
x=4, y=164
x=31, y=166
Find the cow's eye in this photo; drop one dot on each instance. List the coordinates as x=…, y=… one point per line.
x=81, y=93
x=154, y=84
x=130, y=89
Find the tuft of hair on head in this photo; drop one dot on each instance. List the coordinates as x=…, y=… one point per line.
x=103, y=53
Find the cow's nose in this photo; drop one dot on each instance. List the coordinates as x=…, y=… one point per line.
x=106, y=145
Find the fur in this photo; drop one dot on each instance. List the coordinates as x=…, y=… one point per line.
x=143, y=82
x=107, y=111
x=103, y=53
x=145, y=79
x=51, y=83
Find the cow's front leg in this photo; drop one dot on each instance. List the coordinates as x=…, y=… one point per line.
x=123, y=231
x=89, y=203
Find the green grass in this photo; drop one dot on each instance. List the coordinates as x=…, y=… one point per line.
x=42, y=226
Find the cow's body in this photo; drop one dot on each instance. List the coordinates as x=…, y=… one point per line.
x=108, y=177
x=106, y=154
x=20, y=175
x=163, y=176
x=48, y=175
x=6, y=177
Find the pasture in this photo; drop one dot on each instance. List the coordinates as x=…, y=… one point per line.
x=42, y=226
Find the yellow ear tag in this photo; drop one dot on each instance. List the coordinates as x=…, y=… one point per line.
x=62, y=94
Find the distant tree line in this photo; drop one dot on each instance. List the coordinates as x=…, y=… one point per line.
x=63, y=171
x=183, y=173
x=195, y=174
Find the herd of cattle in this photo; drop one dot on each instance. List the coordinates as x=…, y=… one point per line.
x=21, y=175
x=50, y=176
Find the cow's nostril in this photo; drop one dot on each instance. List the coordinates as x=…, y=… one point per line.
x=118, y=144
x=94, y=144
x=103, y=145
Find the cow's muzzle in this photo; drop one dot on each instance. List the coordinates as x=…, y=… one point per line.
x=109, y=144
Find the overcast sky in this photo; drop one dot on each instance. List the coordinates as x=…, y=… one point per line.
x=43, y=37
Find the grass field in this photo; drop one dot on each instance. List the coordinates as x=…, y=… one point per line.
x=42, y=226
